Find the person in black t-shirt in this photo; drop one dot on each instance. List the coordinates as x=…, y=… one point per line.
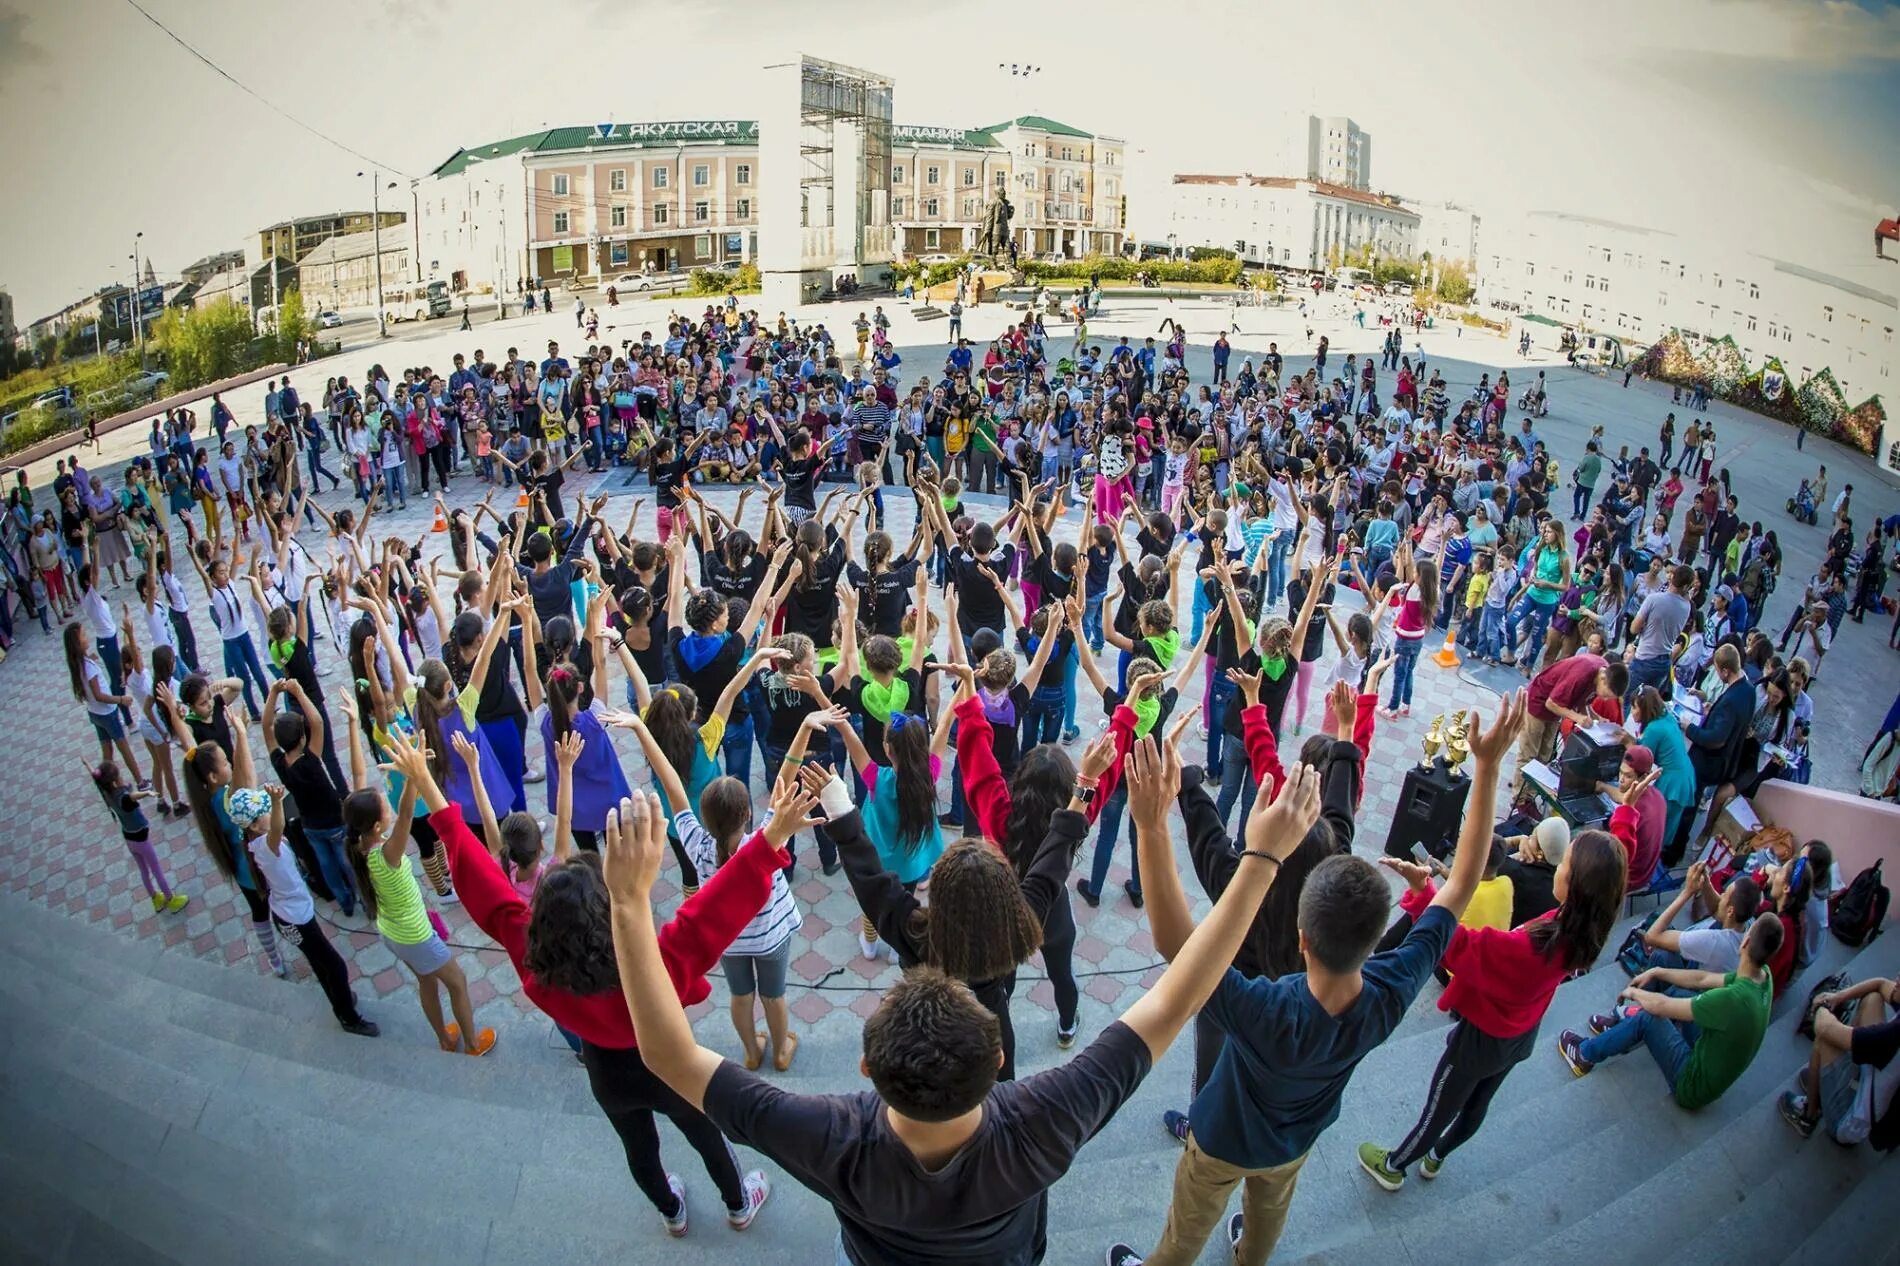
x=938, y=1163
x=976, y=571
x=885, y=585
x=818, y=559
x=292, y=738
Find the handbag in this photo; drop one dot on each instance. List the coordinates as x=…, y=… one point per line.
x=623, y=400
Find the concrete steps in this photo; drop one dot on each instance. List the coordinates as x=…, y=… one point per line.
x=158, y=1108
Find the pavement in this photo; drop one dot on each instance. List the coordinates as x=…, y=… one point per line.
x=62, y=854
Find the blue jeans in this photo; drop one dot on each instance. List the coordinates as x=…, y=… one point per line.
x=328, y=844
x=1647, y=672
x=315, y=454
x=1669, y=1041
x=736, y=747
x=240, y=661
x=1405, y=652
x=1491, y=632
x=1277, y=552
x=1220, y=697
x=1538, y=613
x=393, y=486
x=1201, y=607
x=827, y=851
x=1042, y=719
x=1107, y=836
x=1092, y=621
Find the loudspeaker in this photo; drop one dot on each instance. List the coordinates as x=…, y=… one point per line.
x=1431, y=805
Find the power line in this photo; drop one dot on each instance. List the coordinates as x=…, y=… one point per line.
x=259, y=97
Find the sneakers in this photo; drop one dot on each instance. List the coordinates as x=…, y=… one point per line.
x=360, y=1027
x=1428, y=1167
x=870, y=949
x=1088, y=895
x=1235, y=1225
x=1372, y=1160
x=158, y=903
x=1794, y=1110
x=1122, y=1255
x=1071, y=734
x=1133, y=890
x=1065, y=1038
x=484, y=1042
x=831, y=867
x=756, y=1187
x=676, y=1225
x=1176, y=1124
x=1570, y=1046
x=1604, y=1022
x=531, y=774
x=451, y=1038
x=448, y=898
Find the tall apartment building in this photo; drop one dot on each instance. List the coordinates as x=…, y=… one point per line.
x=1338, y=152
x=293, y=239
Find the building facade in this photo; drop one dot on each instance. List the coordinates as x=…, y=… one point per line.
x=1288, y=223
x=1640, y=283
x=201, y=271
x=293, y=239
x=7, y=327
x=1065, y=187
x=340, y=272
x=656, y=197
x=1449, y=233
x=1338, y=152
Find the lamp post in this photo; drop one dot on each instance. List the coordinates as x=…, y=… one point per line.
x=376, y=229
x=138, y=330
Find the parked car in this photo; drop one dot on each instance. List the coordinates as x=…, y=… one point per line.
x=146, y=385
x=640, y=283
x=57, y=398
x=328, y=319
x=935, y=257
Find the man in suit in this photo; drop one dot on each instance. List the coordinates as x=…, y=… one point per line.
x=1716, y=744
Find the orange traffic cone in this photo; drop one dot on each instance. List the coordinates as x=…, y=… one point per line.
x=1447, y=655
x=521, y=502
x=441, y=524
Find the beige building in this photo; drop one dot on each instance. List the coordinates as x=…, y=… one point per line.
x=293, y=239
x=340, y=272
x=1065, y=186
x=597, y=202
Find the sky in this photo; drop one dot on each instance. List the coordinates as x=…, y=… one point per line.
x=1761, y=125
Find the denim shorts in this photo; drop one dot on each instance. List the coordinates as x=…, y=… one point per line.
x=763, y=974
x=424, y=958
x=107, y=725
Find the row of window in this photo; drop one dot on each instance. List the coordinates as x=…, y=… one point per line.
x=661, y=213
x=562, y=182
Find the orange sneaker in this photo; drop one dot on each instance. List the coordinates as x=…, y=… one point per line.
x=451, y=1039
x=484, y=1042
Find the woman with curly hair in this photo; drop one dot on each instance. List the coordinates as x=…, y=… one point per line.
x=561, y=945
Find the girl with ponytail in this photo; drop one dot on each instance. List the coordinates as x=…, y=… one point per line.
x=595, y=777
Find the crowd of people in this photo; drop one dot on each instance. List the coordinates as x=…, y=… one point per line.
x=789, y=666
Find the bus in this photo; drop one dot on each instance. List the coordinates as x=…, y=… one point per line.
x=417, y=302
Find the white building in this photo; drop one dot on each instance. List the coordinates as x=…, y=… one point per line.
x=1338, y=152
x=1449, y=232
x=340, y=271
x=1288, y=223
x=1641, y=283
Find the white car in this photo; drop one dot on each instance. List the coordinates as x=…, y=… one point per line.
x=328, y=319
x=639, y=283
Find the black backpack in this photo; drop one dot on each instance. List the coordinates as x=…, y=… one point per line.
x=1855, y=913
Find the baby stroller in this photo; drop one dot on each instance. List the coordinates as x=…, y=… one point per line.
x=1801, y=505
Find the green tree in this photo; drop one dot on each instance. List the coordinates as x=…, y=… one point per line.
x=293, y=327
x=207, y=343
x=1454, y=283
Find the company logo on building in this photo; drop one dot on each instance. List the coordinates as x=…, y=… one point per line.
x=951, y=135
x=701, y=129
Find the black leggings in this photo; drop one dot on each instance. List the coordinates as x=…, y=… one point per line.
x=629, y=1093
x=1469, y=1073
x=331, y=971
x=1058, y=958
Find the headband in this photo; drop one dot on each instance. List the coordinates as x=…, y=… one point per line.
x=901, y=719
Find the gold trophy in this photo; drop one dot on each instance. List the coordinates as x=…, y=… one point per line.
x=1434, y=740
x=1458, y=747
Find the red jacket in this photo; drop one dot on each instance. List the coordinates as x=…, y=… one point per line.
x=1498, y=982
x=984, y=787
x=690, y=942
x=1263, y=752
x=1641, y=847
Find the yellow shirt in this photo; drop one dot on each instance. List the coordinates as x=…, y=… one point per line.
x=1475, y=591
x=1490, y=905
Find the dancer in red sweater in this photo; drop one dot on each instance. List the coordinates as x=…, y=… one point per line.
x=1501, y=985
x=562, y=947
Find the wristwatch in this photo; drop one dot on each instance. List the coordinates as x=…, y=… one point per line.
x=1085, y=791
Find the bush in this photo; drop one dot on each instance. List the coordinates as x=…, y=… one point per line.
x=1114, y=268
x=84, y=376
x=1387, y=271
x=205, y=344
x=1454, y=284
x=1198, y=253
x=928, y=275
x=719, y=281
x=35, y=425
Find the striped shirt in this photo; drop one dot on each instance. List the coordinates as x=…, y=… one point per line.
x=399, y=911
x=780, y=916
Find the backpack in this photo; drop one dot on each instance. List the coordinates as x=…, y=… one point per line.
x=1855, y=913
x=1831, y=984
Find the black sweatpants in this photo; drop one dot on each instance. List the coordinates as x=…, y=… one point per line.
x=1058, y=958
x=1469, y=1073
x=328, y=965
x=629, y=1093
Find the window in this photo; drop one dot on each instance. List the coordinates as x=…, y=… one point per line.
x=897, y=208
x=662, y=213
x=742, y=174
x=969, y=207
x=702, y=176
x=617, y=180
x=1603, y=285
x=1718, y=281
x=1002, y=180
x=617, y=216
x=1828, y=313
x=1567, y=276
x=702, y=211
x=1754, y=290
x=617, y=254
x=897, y=174
x=932, y=239
x=560, y=222
x=931, y=175
x=478, y=197
x=560, y=184
x=969, y=177
x=1589, y=281
x=702, y=246
x=930, y=206
x=1772, y=331
x=661, y=177
x=743, y=208
x=1751, y=324
x=1530, y=269
x=1068, y=182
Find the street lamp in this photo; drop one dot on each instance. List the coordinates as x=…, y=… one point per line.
x=376, y=228
x=138, y=330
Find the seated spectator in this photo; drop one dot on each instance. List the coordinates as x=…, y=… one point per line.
x=1640, y=815
x=1701, y=1043
x=1714, y=944
x=1870, y=1043
x=1532, y=868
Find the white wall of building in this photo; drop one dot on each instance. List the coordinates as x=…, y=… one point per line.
x=1450, y=232
x=1298, y=222
x=1641, y=283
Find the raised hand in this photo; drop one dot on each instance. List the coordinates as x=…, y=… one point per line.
x=792, y=805
x=471, y=756
x=408, y=757
x=1099, y=757
x=1637, y=788
x=1276, y=827
x=1344, y=704
x=1154, y=778
x=1415, y=875
x=566, y=752
x=635, y=843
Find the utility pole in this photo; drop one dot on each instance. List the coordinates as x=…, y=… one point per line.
x=376, y=228
x=138, y=330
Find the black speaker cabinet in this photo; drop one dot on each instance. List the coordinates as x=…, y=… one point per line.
x=1431, y=806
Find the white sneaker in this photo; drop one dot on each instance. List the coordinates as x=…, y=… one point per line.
x=676, y=1225
x=448, y=898
x=870, y=949
x=757, y=1187
x=533, y=775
